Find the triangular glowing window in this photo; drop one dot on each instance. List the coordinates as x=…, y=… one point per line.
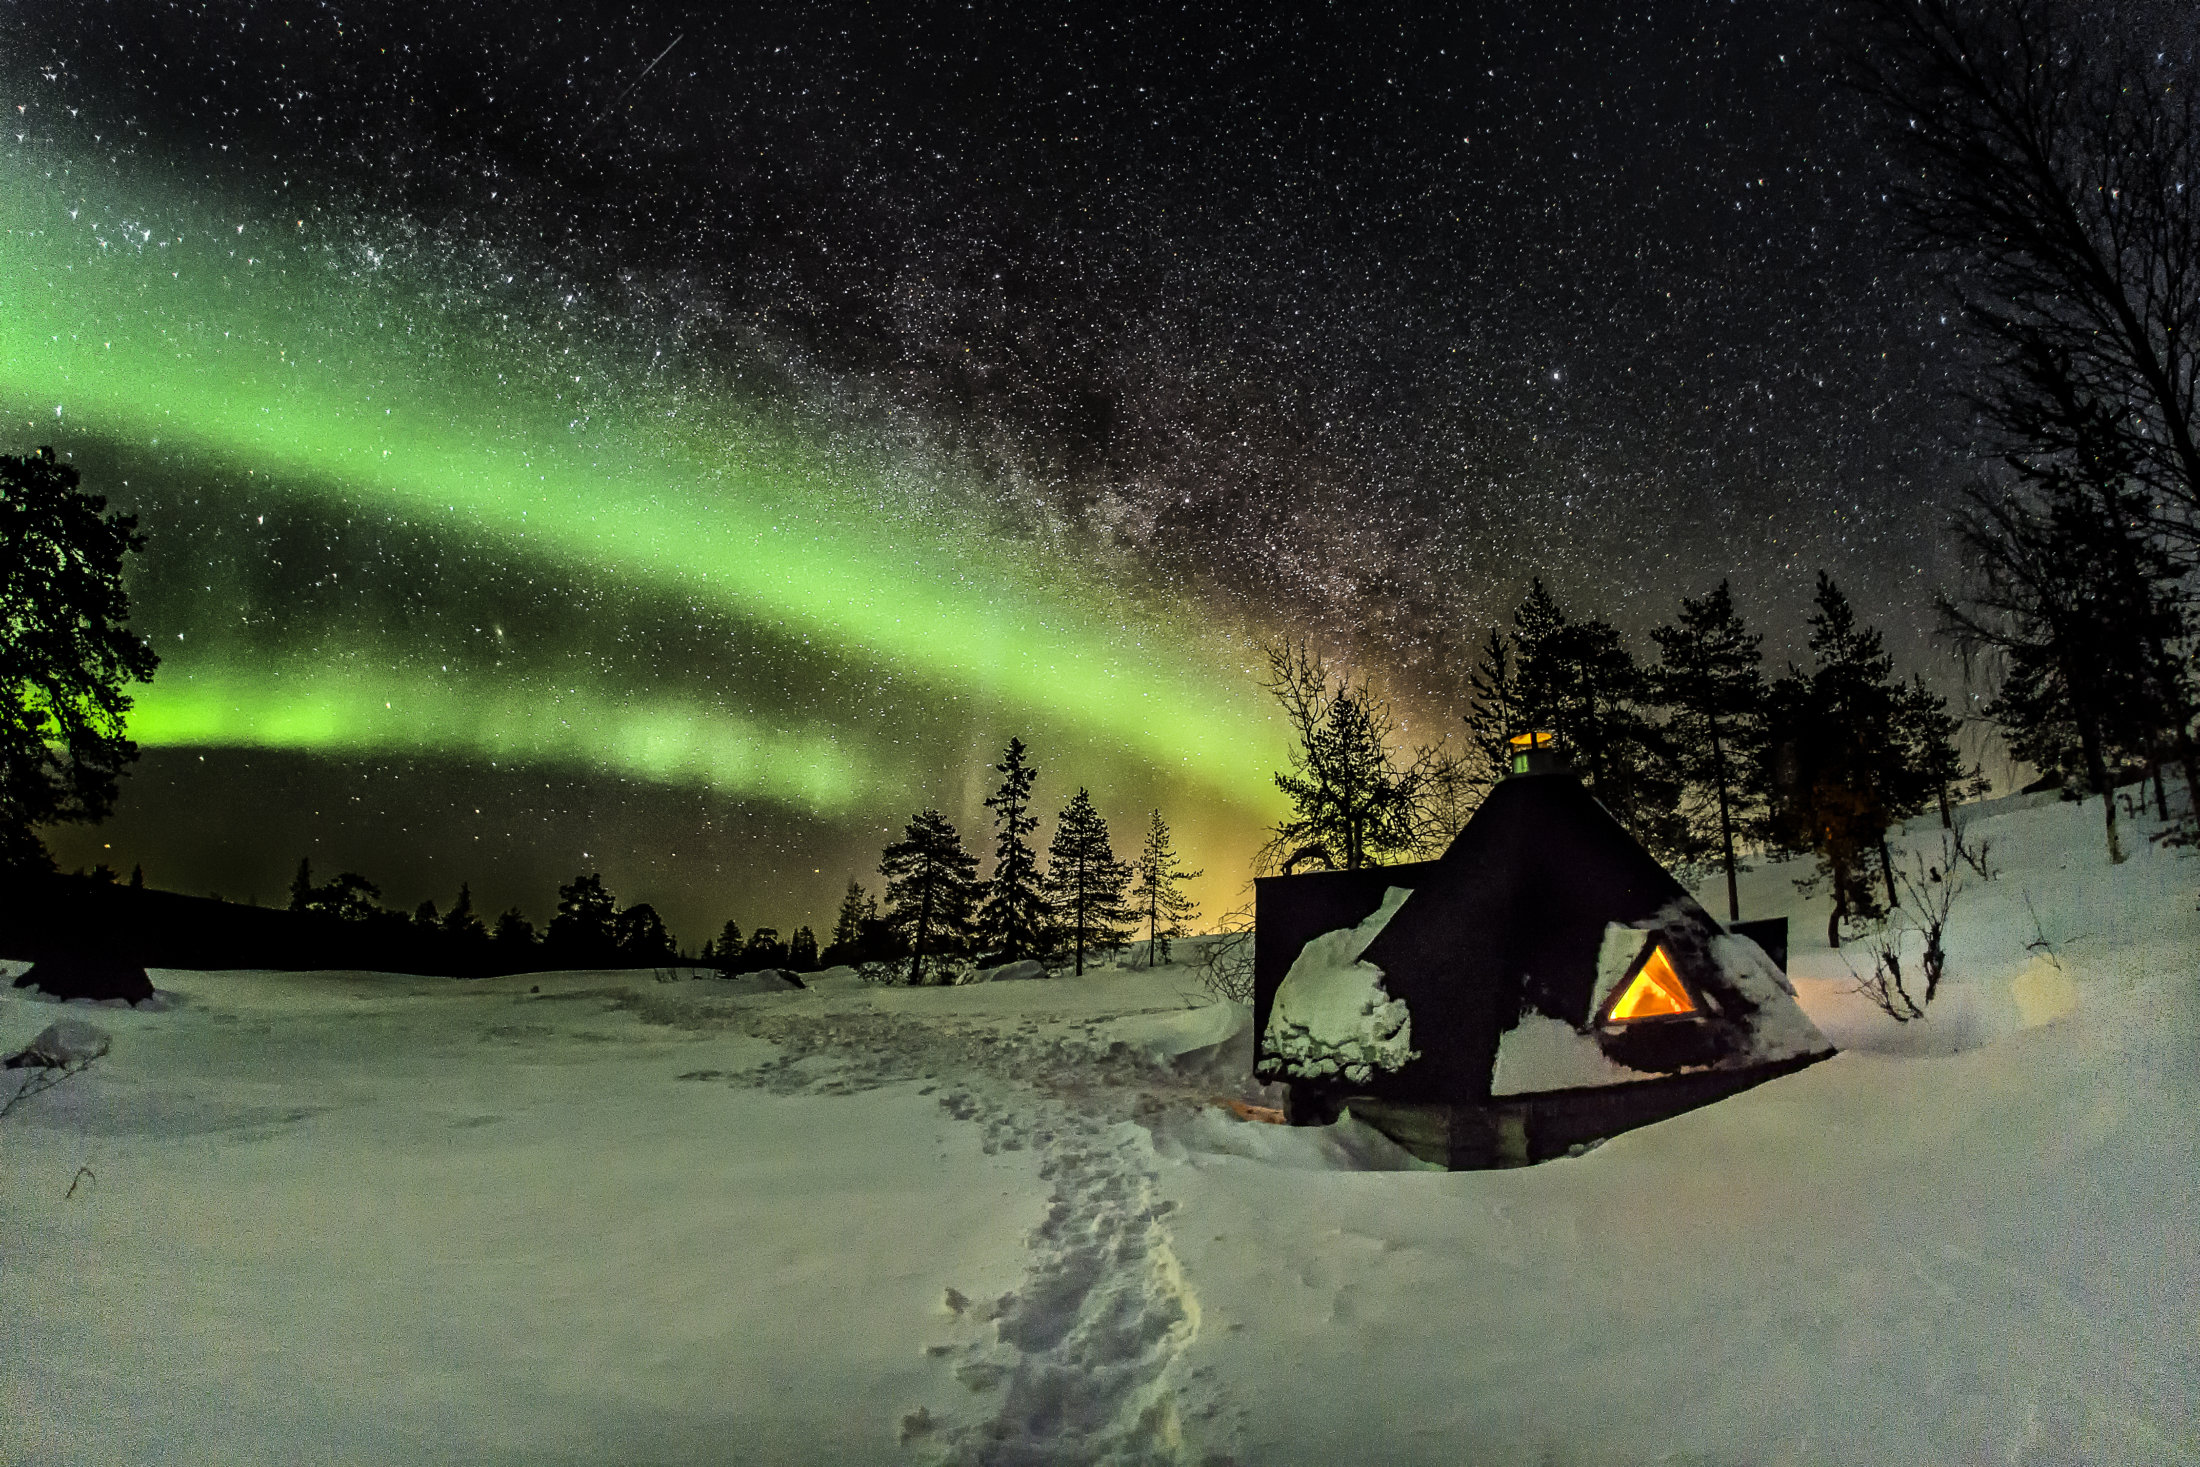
x=1654, y=992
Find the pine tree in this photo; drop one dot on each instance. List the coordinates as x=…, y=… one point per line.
x=640, y=936
x=301, y=886
x=1157, y=895
x=764, y=950
x=1356, y=797
x=1493, y=712
x=1013, y=922
x=584, y=932
x=65, y=654
x=1351, y=801
x=1708, y=676
x=1085, y=882
x=931, y=889
x=802, y=951
x=425, y=916
x=1847, y=753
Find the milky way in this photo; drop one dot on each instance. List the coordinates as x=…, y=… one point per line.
x=553, y=467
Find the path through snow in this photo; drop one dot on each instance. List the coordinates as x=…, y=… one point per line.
x=1083, y=1362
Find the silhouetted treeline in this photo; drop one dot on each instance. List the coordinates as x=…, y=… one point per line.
x=589, y=930
x=55, y=916
x=940, y=918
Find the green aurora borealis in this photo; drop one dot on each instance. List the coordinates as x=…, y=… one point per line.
x=399, y=518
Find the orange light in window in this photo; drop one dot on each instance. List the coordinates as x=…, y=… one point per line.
x=1655, y=991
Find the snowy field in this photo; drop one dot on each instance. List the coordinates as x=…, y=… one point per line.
x=360, y=1219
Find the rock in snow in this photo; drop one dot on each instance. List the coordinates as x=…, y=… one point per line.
x=1332, y=1016
x=1020, y=972
x=62, y=1043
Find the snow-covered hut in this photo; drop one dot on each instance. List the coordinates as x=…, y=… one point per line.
x=1543, y=984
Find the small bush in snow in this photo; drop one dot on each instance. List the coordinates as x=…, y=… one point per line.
x=1225, y=960
x=1929, y=891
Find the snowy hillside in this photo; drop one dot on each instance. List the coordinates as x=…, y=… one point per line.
x=363, y=1219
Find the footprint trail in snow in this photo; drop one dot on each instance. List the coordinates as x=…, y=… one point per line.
x=1083, y=1362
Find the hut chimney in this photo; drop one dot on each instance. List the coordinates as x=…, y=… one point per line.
x=1536, y=753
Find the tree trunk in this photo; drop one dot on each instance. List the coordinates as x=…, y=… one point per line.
x=2187, y=757
x=1077, y=940
x=1840, y=910
x=2096, y=769
x=924, y=927
x=2180, y=719
x=1726, y=824
x=1886, y=872
x=2161, y=796
x=1947, y=816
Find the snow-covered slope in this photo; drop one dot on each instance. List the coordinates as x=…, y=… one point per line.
x=348, y=1218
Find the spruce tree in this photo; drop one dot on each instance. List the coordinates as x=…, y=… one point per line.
x=1085, y=882
x=1708, y=677
x=932, y=888
x=1579, y=681
x=513, y=940
x=1931, y=764
x=1157, y=896
x=858, y=934
x=1493, y=712
x=1013, y=922
x=301, y=886
x=1352, y=804
x=802, y=951
x=848, y=922
x=462, y=923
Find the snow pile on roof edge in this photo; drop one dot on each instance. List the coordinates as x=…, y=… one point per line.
x=1332, y=1017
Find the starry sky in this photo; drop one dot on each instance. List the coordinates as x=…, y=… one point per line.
x=683, y=442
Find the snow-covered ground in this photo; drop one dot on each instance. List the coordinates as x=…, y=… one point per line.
x=343, y=1218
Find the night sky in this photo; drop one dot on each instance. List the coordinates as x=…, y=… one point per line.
x=562, y=453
